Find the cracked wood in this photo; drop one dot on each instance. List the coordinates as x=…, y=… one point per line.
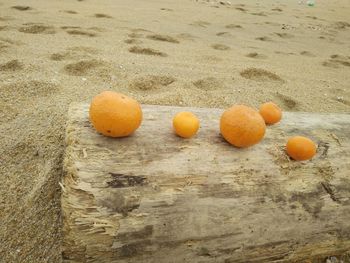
x=154, y=197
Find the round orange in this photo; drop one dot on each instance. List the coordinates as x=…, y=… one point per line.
x=301, y=148
x=242, y=126
x=185, y=124
x=270, y=112
x=114, y=114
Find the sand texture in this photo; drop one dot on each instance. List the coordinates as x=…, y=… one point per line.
x=183, y=52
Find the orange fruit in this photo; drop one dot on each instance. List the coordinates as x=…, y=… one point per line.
x=242, y=126
x=300, y=148
x=185, y=124
x=270, y=112
x=114, y=114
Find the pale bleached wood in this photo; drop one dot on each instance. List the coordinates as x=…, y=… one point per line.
x=154, y=197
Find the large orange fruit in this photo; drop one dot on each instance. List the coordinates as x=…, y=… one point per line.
x=242, y=126
x=300, y=148
x=185, y=124
x=114, y=114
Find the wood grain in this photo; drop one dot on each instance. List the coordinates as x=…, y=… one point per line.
x=154, y=197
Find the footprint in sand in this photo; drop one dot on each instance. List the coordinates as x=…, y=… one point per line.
x=151, y=82
x=70, y=27
x=60, y=56
x=312, y=17
x=134, y=35
x=200, y=23
x=241, y=9
x=223, y=34
x=286, y=101
x=102, y=16
x=336, y=61
x=208, y=84
x=336, y=56
x=220, y=47
x=37, y=29
x=260, y=75
x=74, y=53
x=284, y=35
x=12, y=65
x=21, y=7
x=307, y=54
x=70, y=12
x=341, y=25
x=147, y=51
x=132, y=41
x=255, y=55
x=258, y=14
x=166, y=9
x=277, y=9
x=232, y=26
x=164, y=38
x=83, y=67
x=78, y=32
x=264, y=38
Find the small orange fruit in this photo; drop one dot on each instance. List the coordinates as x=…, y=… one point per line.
x=270, y=112
x=114, y=114
x=242, y=126
x=301, y=148
x=185, y=124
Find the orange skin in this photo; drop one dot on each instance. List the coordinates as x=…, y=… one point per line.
x=185, y=124
x=242, y=126
x=270, y=112
x=115, y=115
x=300, y=148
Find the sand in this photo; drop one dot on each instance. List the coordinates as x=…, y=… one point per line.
x=184, y=52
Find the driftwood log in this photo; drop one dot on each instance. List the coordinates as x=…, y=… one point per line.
x=154, y=197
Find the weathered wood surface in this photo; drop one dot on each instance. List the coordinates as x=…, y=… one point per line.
x=154, y=197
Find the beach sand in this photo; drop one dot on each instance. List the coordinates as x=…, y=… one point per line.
x=184, y=52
